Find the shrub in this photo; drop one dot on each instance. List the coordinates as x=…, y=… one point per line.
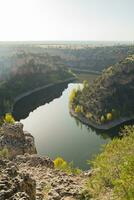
x=77, y=109
x=58, y=162
x=85, y=84
x=9, y=118
x=103, y=119
x=4, y=153
x=114, y=169
x=109, y=116
x=72, y=96
x=61, y=164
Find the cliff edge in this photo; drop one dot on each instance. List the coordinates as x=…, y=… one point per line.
x=15, y=140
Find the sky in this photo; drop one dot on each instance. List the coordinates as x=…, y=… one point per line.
x=40, y=20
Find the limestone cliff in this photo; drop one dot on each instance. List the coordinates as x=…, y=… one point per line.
x=16, y=140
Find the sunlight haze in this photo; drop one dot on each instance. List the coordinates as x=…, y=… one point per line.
x=31, y=20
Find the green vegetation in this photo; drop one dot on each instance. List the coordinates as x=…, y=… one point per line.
x=114, y=169
x=109, y=116
x=103, y=119
x=72, y=96
x=95, y=58
x=110, y=97
x=9, y=118
x=85, y=84
x=61, y=164
x=4, y=153
x=78, y=109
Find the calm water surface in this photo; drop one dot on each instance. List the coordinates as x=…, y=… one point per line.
x=56, y=132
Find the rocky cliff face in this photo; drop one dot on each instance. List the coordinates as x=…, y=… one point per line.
x=15, y=185
x=30, y=177
x=16, y=140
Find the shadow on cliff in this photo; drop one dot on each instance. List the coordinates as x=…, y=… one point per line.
x=27, y=104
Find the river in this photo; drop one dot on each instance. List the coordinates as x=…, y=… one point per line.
x=46, y=116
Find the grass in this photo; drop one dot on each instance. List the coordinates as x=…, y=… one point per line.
x=114, y=169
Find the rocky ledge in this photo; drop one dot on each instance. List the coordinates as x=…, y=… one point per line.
x=24, y=175
x=31, y=177
x=16, y=140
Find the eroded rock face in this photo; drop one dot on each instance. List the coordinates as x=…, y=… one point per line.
x=16, y=140
x=30, y=177
x=15, y=185
x=34, y=160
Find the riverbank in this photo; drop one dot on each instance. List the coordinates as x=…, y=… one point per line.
x=107, y=126
x=41, y=88
x=76, y=70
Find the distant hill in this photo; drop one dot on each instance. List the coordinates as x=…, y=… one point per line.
x=92, y=58
x=74, y=56
x=110, y=97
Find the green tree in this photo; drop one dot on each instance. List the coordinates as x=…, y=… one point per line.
x=109, y=116
x=9, y=118
x=77, y=109
x=103, y=119
x=85, y=84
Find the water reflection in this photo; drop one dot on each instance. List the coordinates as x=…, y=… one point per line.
x=104, y=134
x=26, y=105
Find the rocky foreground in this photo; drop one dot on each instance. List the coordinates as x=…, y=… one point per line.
x=24, y=175
x=31, y=177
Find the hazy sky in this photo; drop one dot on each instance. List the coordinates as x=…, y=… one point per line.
x=66, y=20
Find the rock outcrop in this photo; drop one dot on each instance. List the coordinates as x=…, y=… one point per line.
x=15, y=140
x=30, y=177
x=15, y=185
x=51, y=184
x=34, y=160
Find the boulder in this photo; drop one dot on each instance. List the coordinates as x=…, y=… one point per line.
x=15, y=140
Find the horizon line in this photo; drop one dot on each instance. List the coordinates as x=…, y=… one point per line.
x=66, y=40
